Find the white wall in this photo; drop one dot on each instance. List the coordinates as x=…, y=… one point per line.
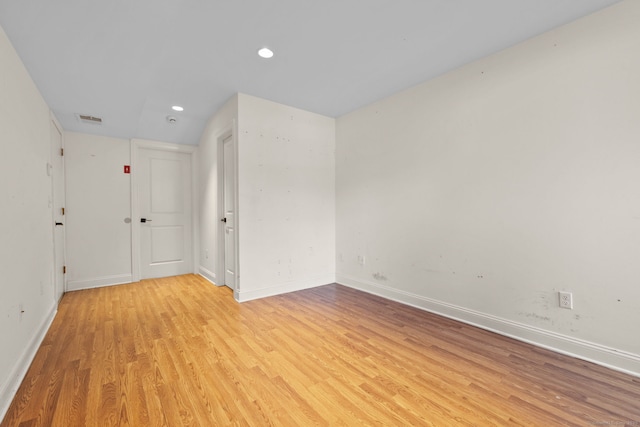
x=98, y=201
x=286, y=186
x=484, y=192
x=222, y=123
x=26, y=245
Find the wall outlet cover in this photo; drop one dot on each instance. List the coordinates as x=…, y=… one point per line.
x=565, y=300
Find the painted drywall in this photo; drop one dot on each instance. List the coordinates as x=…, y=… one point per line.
x=286, y=198
x=484, y=192
x=221, y=124
x=27, y=301
x=98, y=205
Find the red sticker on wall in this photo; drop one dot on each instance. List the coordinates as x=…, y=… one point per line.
x=127, y=169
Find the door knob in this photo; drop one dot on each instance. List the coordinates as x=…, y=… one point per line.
x=59, y=223
x=143, y=220
x=224, y=220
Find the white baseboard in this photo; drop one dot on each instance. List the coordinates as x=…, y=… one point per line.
x=283, y=288
x=207, y=274
x=609, y=357
x=9, y=389
x=98, y=282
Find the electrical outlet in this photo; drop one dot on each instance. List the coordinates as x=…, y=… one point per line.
x=361, y=259
x=566, y=300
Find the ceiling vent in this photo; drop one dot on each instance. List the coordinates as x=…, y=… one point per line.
x=92, y=120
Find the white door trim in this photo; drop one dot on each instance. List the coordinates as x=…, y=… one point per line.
x=136, y=146
x=220, y=267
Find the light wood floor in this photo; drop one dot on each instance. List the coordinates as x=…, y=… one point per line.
x=180, y=351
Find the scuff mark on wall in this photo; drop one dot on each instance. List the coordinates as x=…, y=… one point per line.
x=536, y=316
x=380, y=276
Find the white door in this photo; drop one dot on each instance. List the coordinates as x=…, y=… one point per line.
x=229, y=214
x=164, y=200
x=57, y=176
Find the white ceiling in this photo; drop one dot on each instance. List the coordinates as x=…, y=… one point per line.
x=129, y=61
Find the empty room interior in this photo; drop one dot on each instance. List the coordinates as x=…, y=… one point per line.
x=320, y=213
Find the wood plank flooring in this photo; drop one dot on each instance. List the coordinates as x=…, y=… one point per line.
x=180, y=351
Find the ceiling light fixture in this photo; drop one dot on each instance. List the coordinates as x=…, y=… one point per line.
x=177, y=108
x=265, y=52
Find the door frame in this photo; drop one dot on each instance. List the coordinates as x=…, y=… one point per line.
x=220, y=270
x=54, y=121
x=136, y=146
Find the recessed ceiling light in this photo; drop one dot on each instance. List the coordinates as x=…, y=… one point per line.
x=177, y=108
x=265, y=52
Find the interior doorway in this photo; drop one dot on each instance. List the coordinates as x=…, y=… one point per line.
x=162, y=210
x=57, y=205
x=227, y=200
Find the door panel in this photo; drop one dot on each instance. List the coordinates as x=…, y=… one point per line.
x=165, y=213
x=57, y=176
x=167, y=244
x=229, y=214
x=166, y=190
